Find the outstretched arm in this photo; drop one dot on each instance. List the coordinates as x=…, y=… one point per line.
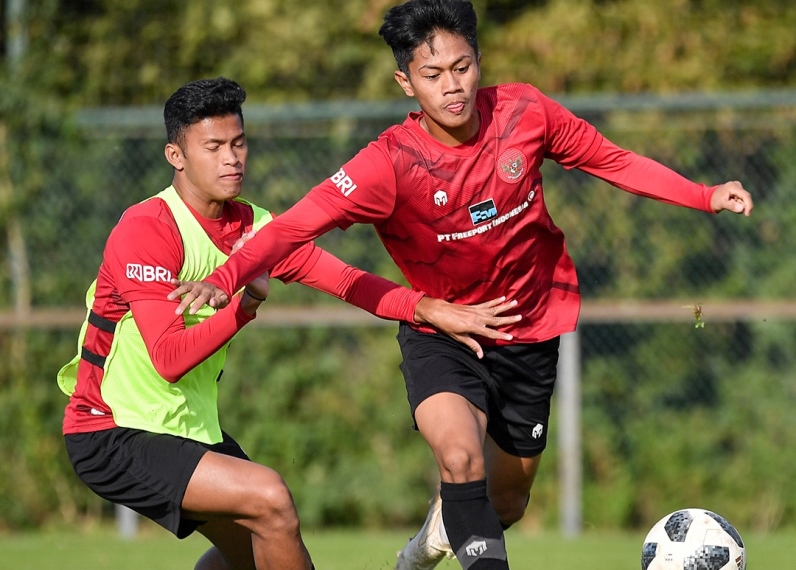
x=316, y=268
x=389, y=300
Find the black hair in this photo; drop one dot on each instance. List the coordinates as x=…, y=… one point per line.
x=199, y=100
x=416, y=22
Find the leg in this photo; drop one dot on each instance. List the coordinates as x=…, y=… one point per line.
x=246, y=497
x=455, y=430
x=232, y=546
x=458, y=455
x=509, y=480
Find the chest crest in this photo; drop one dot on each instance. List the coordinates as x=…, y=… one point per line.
x=511, y=165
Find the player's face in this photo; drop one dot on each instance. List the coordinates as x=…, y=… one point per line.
x=210, y=164
x=443, y=77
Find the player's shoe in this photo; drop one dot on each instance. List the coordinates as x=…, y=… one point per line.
x=429, y=546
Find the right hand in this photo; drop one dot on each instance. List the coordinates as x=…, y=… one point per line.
x=199, y=293
x=461, y=322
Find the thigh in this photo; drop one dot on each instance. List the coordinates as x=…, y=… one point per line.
x=522, y=380
x=434, y=364
x=454, y=430
x=225, y=487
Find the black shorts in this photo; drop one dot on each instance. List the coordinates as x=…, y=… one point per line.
x=144, y=471
x=512, y=385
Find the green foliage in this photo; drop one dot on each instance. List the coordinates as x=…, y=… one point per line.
x=328, y=410
x=132, y=52
x=674, y=415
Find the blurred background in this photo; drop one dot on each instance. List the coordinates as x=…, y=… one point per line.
x=685, y=359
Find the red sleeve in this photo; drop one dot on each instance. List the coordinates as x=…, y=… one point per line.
x=363, y=191
x=142, y=254
x=574, y=143
x=645, y=177
x=300, y=224
x=372, y=293
x=314, y=267
x=174, y=349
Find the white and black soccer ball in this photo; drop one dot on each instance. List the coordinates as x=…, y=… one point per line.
x=693, y=539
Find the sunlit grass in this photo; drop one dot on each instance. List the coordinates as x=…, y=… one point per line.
x=155, y=549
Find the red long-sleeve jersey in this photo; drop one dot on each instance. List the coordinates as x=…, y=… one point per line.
x=469, y=223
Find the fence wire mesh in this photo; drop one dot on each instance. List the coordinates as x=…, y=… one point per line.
x=692, y=404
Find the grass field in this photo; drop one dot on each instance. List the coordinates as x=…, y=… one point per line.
x=154, y=549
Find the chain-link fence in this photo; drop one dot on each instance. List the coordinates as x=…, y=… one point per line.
x=687, y=335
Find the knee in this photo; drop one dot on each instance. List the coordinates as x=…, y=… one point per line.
x=510, y=507
x=274, y=508
x=461, y=465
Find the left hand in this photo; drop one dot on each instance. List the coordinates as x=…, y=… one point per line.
x=461, y=322
x=732, y=196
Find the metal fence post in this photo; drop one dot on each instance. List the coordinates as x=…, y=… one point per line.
x=570, y=470
x=126, y=522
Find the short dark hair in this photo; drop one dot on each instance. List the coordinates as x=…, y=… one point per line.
x=416, y=22
x=199, y=100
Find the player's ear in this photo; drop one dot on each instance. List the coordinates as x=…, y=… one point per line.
x=174, y=155
x=403, y=80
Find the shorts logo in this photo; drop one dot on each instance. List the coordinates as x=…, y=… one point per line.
x=441, y=198
x=483, y=212
x=343, y=182
x=538, y=429
x=511, y=165
x=147, y=273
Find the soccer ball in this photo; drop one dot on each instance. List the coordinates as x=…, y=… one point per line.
x=693, y=539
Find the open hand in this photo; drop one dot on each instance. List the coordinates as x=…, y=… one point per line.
x=197, y=293
x=461, y=322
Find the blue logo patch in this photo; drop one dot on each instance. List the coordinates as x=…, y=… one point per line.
x=483, y=212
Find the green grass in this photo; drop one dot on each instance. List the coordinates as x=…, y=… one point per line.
x=154, y=549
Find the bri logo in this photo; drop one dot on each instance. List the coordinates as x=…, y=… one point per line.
x=147, y=273
x=483, y=212
x=343, y=182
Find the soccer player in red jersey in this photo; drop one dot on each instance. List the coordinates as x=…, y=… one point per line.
x=456, y=196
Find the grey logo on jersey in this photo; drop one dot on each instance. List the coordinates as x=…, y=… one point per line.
x=441, y=198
